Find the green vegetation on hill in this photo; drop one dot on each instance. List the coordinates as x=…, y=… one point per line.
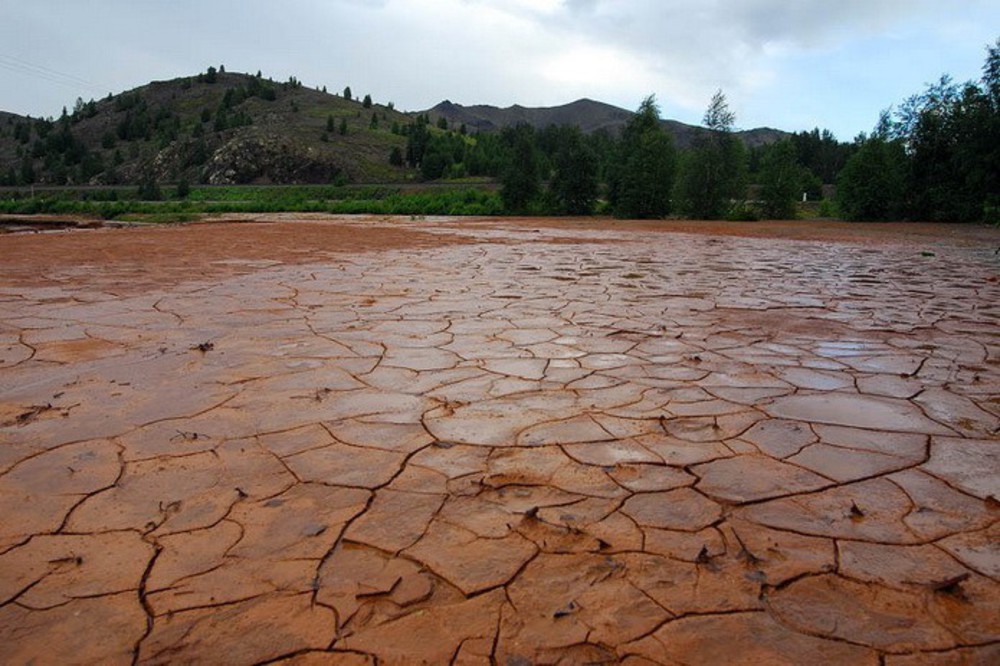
x=216, y=127
x=935, y=157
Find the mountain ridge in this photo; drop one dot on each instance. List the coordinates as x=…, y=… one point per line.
x=588, y=114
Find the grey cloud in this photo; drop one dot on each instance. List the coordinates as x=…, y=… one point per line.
x=417, y=52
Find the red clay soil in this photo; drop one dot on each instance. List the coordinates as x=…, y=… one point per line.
x=312, y=439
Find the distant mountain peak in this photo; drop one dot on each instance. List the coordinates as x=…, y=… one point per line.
x=588, y=114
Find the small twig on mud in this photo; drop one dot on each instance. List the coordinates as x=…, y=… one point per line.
x=745, y=552
x=188, y=436
x=64, y=411
x=568, y=609
x=951, y=585
x=319, y=396
x=24, y=418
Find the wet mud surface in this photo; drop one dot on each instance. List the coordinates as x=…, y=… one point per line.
x=365, y=440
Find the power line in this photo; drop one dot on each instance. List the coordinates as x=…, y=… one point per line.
x=23, y=67
x=42, y=68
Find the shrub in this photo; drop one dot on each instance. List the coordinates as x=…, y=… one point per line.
x=742, y=212
x=828, y=208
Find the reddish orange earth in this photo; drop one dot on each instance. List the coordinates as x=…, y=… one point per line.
x=307, y=440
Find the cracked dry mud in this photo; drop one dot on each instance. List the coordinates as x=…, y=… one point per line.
x=356, y=440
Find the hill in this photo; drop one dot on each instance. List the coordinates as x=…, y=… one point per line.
x=589, y=115
x=6, y=117
x=227, y=128
x=217, y=127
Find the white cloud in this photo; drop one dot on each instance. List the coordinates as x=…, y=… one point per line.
x=577, y=68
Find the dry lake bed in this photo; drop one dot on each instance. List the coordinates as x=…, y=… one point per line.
x=357, y=440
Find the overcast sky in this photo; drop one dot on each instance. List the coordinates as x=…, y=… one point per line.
x=790, y=64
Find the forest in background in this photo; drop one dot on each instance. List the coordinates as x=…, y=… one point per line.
x=935, y=156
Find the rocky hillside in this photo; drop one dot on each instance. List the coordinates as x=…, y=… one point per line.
x=230, y=128
x=220, y=128
x=588, y=115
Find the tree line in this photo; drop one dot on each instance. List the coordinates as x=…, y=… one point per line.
x=637, y=174
x=934, y=157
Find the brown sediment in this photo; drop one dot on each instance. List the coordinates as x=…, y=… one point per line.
x=309, y=439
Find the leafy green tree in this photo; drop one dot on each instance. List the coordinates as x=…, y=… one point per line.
x=485, y=156
x=396, y=157
x=821, y=153
x=417, y=140
x=718, y=116
x=343, y=127
x=347, y=93
x=329, y=123
x=22, y=132
x=520, y=181
x=781, y=180
x=27, y=175
x=573, y=187
x=641, y=177
x=955, y=156
x=198, y=154
x=873, y=183
x=989, y=139
x=812, y=185
x=443, y=156
x=367, y=103
x=435, y=163
x=713, y=173
x=149, y=189
x=79, y=108
x=951, y=136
